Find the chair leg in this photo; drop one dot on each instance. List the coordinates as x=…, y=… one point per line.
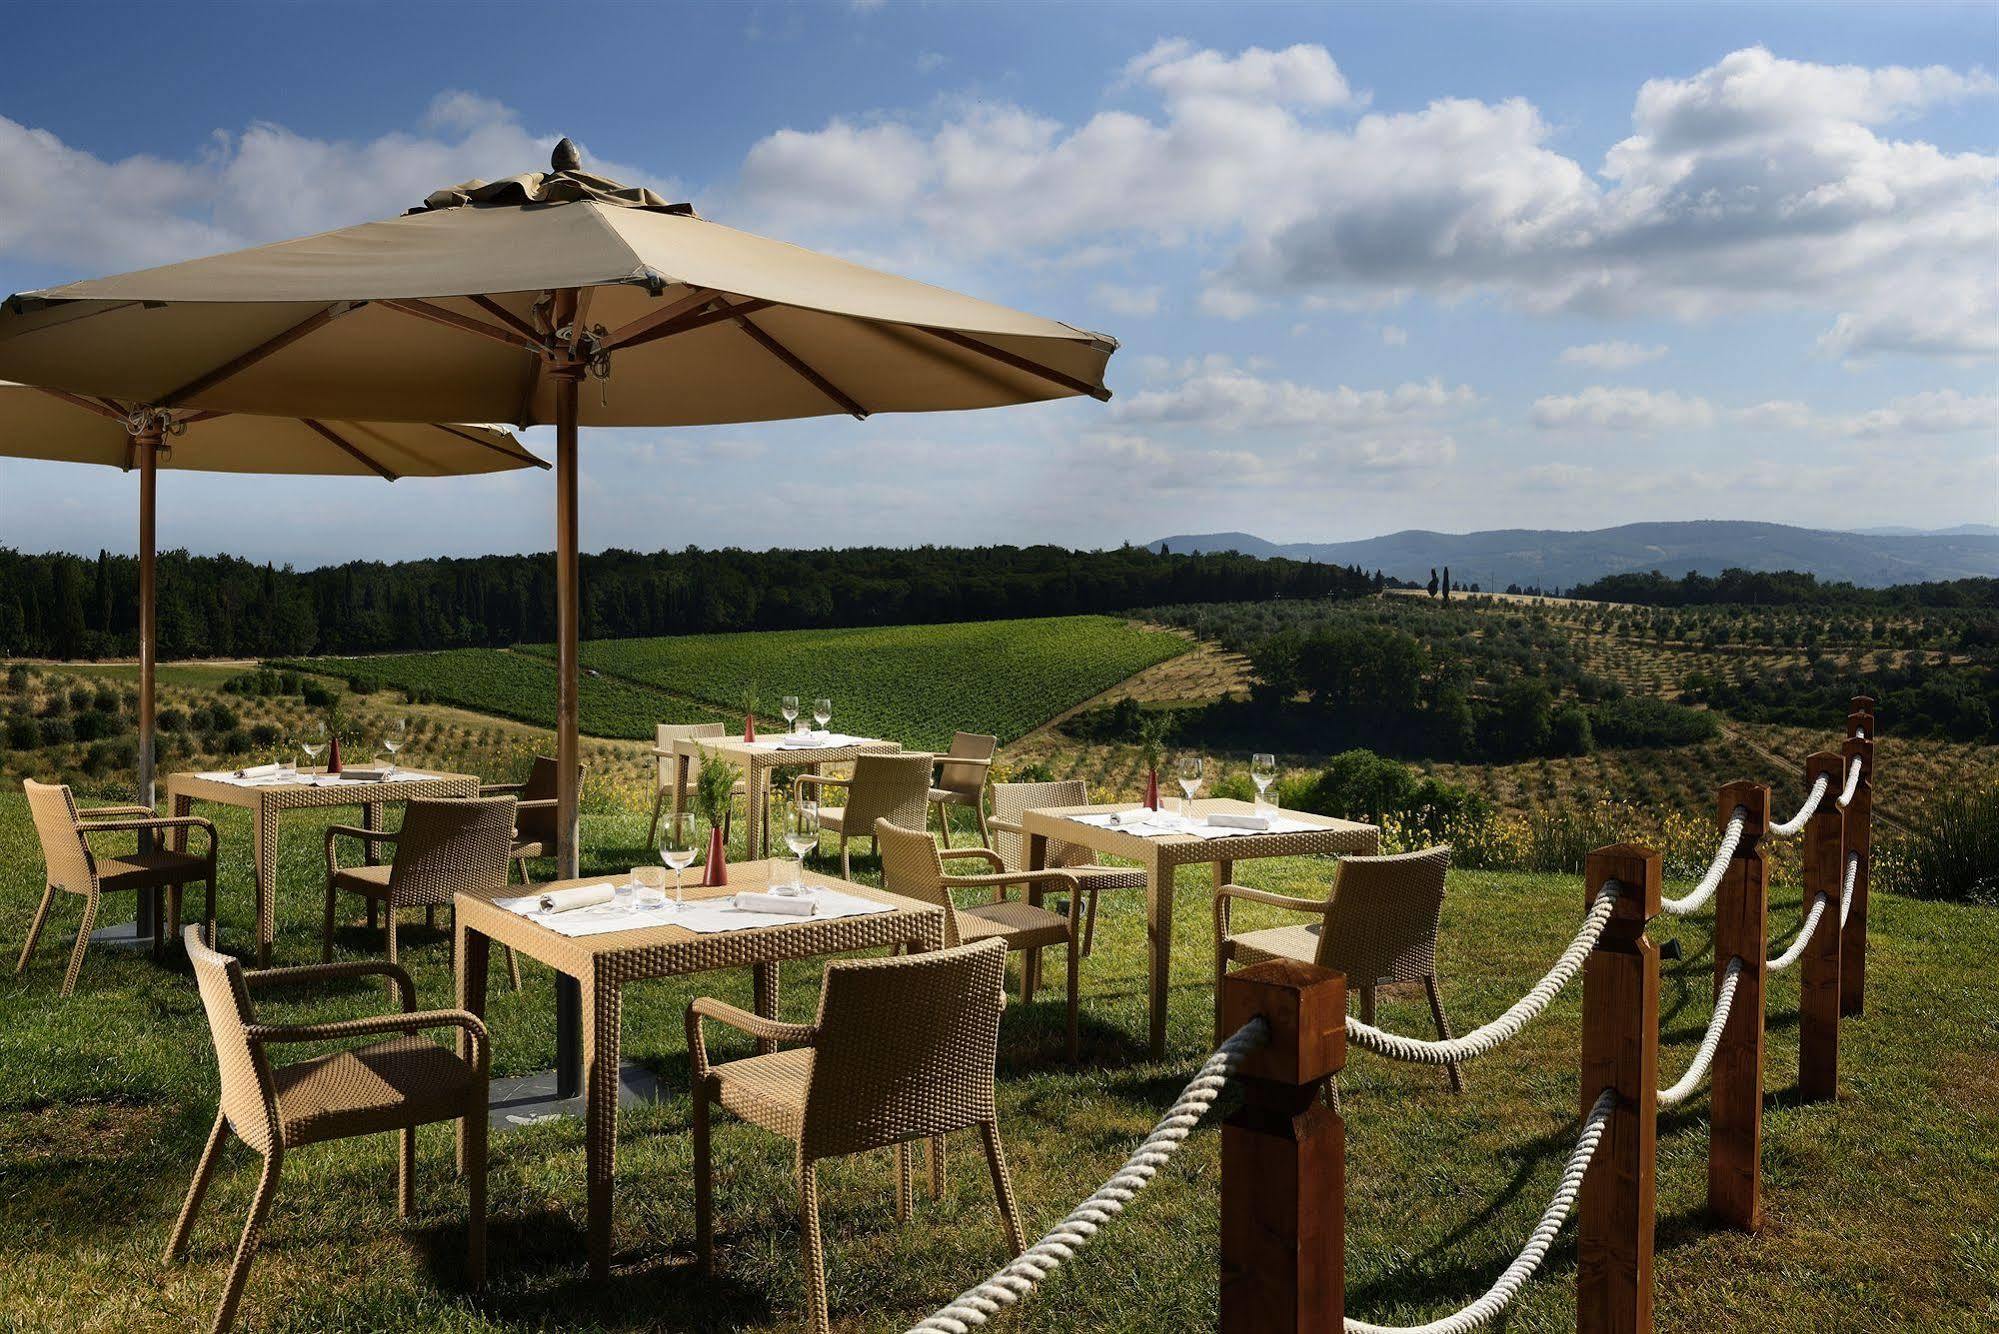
x=174, y=903
x=936, y=1167
x=943, y=821
x=513, y=967
x=1090, y=924
x=326, y=926
x=658, y=806
x=430, y=917
x=905, y=1180
x=704, y=1187
x=208, y=909
x=985, y=832
x=1367, y=1006
x=388, y=927
x=371, y=912
x=1074, y=980
x=82, y=941
x=246, y=1249
x=159, y=929
x=405, y=1172
x=1009, y=1207
x=846, y=868
x=475, y=1187
x=1443, y=1030
x=815, y=1248
x=35, y=928
x=204, y=1171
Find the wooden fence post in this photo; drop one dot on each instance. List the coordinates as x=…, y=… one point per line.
x=1859, y=836
x=1861, y=706
x=1741, y=931
x=1818, y=980
x=1620, y=1052
x=1284, y=1156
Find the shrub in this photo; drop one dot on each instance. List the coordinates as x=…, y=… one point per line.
x=17, y=677
x=1953, y=853
x=56, y=731
x=105, y=700
x=22, y=734
x=316, y=696
x=82, y=697
x=1559, y=839
x=171, y=720
x=1643, y=720
x=94, y=726
x=1569, y=731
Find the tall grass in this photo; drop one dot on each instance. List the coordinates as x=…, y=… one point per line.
x=1954, y=853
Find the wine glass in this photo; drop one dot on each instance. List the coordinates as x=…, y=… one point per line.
x=822, y=712
x=677, y=845
x=789, y=708
x=801, y=835
x=1262, y=772
x=1190, y=783
x=394, y=735
x=312, y=741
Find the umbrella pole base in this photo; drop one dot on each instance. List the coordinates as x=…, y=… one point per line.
x=524, y=1100
x=123, y=934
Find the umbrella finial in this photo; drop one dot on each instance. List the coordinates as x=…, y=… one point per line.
x=565, y=157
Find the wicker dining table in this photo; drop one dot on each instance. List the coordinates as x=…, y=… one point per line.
x=757, y=759
x=592, y=972
x=1161, y=856
x=267, y=802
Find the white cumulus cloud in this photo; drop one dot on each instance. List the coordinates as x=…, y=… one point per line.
x=1616, y=408
x=1615, y=355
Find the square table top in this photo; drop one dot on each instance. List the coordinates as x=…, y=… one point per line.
x=206, y=786
x=653, y=951
x=768, y=751
x=1327, y=834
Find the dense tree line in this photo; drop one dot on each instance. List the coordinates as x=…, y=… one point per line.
x=70, y=607
x=1780, y=588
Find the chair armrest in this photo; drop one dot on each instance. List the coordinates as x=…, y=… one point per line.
x=820, y=780
x=113, y=812
x=325, y=972
x=1005, y=826
x=500, y=789
x=1001, y=880
x=406, y=1022
x=986, y=763
x=150, y=822
x=1274, y=900
x=335, y=832
x=950, y=854
x=704, y=1007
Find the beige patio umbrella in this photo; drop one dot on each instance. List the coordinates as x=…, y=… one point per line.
x=492, y=301
x=77, y=428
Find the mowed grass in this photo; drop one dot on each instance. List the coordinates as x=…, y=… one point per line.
x=1882, y=1211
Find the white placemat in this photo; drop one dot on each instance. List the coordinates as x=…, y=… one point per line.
x=702, y=916
x=818, y=741
x=1165, y=824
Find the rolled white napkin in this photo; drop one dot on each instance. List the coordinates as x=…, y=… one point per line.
x=583, y=896
x=1255, y=823
x=790, y=905
x=1141, y=815
x=364, y=775
x=257, y=771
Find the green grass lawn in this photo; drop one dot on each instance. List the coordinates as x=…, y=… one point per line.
x=1883, y=1214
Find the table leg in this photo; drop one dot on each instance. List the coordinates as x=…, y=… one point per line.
x=600, y=1059
x=1159, y=934
x=765, y=981
x=183, y=806
x=1030, y=963
x=371, y=818
x=264, y=852
x=470, y=950
x=680, y=771
x=759, y=780
x=568, y=1036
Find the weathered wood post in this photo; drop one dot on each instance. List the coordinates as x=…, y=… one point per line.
x=1818, y=980
x=1741, y=931
x=1859, y=833
x=1284, y=1156
x=1620, y=1052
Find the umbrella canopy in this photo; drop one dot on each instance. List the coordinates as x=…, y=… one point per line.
x=53, y=424
x=493, y=300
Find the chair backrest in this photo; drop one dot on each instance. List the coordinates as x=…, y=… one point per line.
x=537, y=824
x=67, y=856
x=451, y=844
x=967, y=780
x=1381, y=925
x=906, y=1048
x=249, y=1099
x=895, y=788
x=665, y=734
x=1013, y=800
x=912, y=868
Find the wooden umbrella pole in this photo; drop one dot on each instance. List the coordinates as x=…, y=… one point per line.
x=565, y=375
x=146, y=448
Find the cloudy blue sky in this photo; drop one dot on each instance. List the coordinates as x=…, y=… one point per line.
x=1373, y=267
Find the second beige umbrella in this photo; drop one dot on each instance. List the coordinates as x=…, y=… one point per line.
x=76, y=428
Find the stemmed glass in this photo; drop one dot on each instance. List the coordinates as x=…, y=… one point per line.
x=822, y=713
x=1190, y=783
x=789, y=708
x=678, y=843
x=312, y=741
x=1262, y=772
x=801, y=835
x=393, y=737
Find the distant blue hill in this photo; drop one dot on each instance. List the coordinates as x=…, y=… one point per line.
x=1552, y=558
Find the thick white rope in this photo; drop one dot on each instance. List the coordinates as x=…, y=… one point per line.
x=1015, y=1279
x=1525, y=1010
x=1846, y=892
x=1724, y=999
x=1852, y=784
x=1730, y=839
x=1797, y=822
x=1481, y=1312
x=1797, y=950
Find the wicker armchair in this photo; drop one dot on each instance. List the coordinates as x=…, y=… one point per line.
x=534, y=812
x=72, y=867
x=1379, y=927
x=399, y=1083
x=1011, y=801
x=961, y=781
x=444, y=846
x=665, y=734
x=913, y=867
x=895, y=788
x=903, y=1050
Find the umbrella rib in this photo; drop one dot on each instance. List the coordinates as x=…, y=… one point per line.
x=1018, y=362
x=424, y=310
x=333, y=438
x=21, y=305
x=484, y=443
x=229, y=369
x=792, y=359
x=698, y=320
x=666, y=314
x=505, y=316
x=87, y=404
